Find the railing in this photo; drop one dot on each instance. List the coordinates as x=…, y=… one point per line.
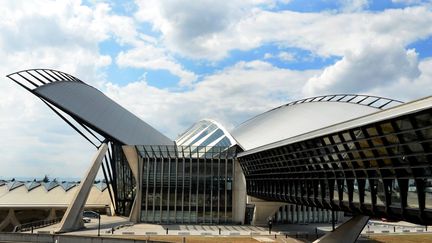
x=366, y=100
x=36, y=224
x=34, y=78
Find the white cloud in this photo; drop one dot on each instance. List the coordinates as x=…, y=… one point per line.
x=149, y=57
x=354, y=5
x=375, y=65
x=230, y=96
x=408, y=89
x=407, y=2
x=198, y=31
x=192, y=28
x=283, y=56
x=46, y=34
x=286, y=56
x=268, y=55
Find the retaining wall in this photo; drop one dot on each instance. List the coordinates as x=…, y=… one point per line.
x=48, y=238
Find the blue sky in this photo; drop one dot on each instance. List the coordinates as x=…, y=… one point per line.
x=175, y=62
x=301, y=59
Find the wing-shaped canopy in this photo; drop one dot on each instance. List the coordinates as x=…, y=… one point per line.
x=89, y=107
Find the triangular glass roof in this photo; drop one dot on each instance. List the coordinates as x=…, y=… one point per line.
x=50, y=185
x=68, y=185
x=101, y=186
x=32, y=185
x=13, y=184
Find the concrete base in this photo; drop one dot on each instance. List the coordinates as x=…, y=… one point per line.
x=348, y=232
x=239, y=194
x=10, y=219
x=133, y=161
x=72, y=220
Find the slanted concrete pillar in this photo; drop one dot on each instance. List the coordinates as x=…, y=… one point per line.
x=263, y=210
x=239, y=194
x=348, y=232
x=136, y=167
x=52, y=214
x=72, y=220
x=10, y=219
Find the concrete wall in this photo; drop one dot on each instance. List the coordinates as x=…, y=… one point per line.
x=45, y=238
x=263, y=210
x=239, y=194
x=134, y=163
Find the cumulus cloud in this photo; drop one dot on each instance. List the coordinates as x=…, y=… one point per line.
x=354, y=5
x=46, y=34
x=211, y=33
x=375, y=65
x=407, y=2
x=150, y=57
x=230, y=96
x=407, y=89
x=192, y=28
x=286, y=56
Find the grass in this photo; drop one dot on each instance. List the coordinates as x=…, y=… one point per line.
x=411, y=238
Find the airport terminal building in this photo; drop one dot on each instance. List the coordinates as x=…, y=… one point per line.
x=306, y=161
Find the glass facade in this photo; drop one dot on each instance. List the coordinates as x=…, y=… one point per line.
x=381, y=169
x=205, y=133
x=298, y=214
x=185, y=184
x=124, y=183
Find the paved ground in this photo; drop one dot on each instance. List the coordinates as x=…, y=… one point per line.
x=296, y=233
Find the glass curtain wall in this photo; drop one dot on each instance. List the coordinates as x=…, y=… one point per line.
x=185, y=184
x=123, y=181
x=381, y=169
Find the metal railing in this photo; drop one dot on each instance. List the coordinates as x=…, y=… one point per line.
x=34, y=78
x=366, y=100
x=36, y=224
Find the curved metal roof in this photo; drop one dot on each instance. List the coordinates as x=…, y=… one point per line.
x=304, y=116
x=89, y=107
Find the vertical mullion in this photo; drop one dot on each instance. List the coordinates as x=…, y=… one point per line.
x=232, y=185
x=218, y=192
x=175, y=189
x=169, y=190
x=211, y=191
x=147, y=188
x=190, y=183
x=198, y=181
x=226, y=187
x=162, y=186
x=183, y=185
x=154, y=187
x=204, y=184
